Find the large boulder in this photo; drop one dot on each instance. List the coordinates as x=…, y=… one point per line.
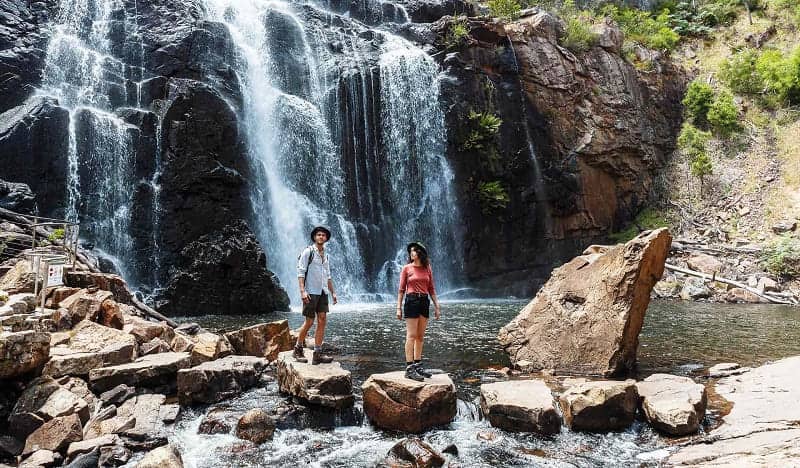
x=325, y=385
x=43, y=400
x=144, y=330
x=520, y=405
x=391, y=401
x=218, y=380
x=599, y=406
x=64, y=361
x=20, y=279
x=672, y=404
x=588, y=316
x=208, y=347
x=153, y=371
x=22, y=352
x=704, y=263
x=85, y=305
x=760, y=429
x=265, y=339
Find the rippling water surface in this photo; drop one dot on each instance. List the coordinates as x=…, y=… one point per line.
x=678, y=337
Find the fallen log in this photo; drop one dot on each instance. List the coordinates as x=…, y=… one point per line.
x=726, y=281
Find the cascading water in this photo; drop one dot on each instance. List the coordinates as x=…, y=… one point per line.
x=375, y=172
x=101, y=154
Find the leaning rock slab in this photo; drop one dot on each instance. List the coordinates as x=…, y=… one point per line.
x=55, y=434
x=264, y=340
x=43, y=400
x=156, y=370
x=218, y=380
x=520, y=405
x=80, y=364
x=22, y=352
x=588, y=315
x=599, y=406
x=392, y=401
x=324, y=384
x=672, y=404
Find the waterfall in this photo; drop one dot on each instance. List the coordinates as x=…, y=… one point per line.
x=81, y=72
x=378, y=188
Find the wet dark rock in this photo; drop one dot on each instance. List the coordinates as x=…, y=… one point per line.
x=17, y=197
x=33, y=145
x=10, y=446
x=188, y=328
x=414, y=451
x=23, y=41
x=428, y=11
x=114, y=455
x=217, y=421
x=290, y=415
x=88, y=460
x=451, y=449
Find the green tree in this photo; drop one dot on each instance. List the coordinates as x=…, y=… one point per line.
x=723, y=115
x=697, y=101
x=701, y=167
x=781, y=76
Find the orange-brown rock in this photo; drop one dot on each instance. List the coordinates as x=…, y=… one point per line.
x=263, y=340
x=110, y=314
x=394, y=402
x=588, y=316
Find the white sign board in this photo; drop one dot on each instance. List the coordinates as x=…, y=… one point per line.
x=55, y=275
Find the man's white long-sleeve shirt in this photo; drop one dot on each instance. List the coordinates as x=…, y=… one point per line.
x=319, y=271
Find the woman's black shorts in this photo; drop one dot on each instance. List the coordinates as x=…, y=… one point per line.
x=416, y=305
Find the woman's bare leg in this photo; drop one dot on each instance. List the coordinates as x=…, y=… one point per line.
x=411, y=337
x=422, y=324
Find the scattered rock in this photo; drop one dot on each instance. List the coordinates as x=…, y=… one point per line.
x=181, y=343
x=117, y=395
x=44, y=399
x=162, y=457
x=10, y=446
x=80, y=364
x=520, y=405
x=56, y=434
x=41, y=458
x=113, y=455
x=111, y=315
x=324, y=384
x=672, y=404
x=217, y=421
x=704, y=263
x=217, y=380
x=22, y=352
x=91, y=337
x=264, y=340
x=784, y=226
x=20, y=279
x=87, y=460
x=739, y=295
x=767, y=284
x=255, y=426
x=394, y=402
x=145, y=330
x=154, y=371
x=88, y=445
x=154, y=346
x=208, y=347
x=414, y=452
x=693, y=289
x=599, y=406
x=85, y=305
x=591, y=310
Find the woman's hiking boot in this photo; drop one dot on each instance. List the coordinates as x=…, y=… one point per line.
x=298, y=354
x=411, y=373
x=421, y=370
x=319, y=358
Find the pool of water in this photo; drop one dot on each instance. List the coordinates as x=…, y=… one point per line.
x=678, y=337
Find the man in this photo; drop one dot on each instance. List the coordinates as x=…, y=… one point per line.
x=314, y=276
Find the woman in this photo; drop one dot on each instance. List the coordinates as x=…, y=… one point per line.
x=416, y=284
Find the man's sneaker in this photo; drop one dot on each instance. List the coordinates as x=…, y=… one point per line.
x=319, y=358
x=421, y=371
x=298, y=354
x=411, y=373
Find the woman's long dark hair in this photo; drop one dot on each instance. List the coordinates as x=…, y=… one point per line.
x=423, y=256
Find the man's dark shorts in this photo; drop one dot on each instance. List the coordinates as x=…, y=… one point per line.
x=416, y=305
x=317, y=305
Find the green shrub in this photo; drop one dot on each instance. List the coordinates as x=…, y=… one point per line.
x=686, y=20
x=648, y=218
x=692, y=140
x=57, y=234
x=780, y=75
x=739, y=73
x=700, y=167
x=723, y=115
x=484, y=127
x=504, y=9
x=719, y=12
x=578, y=36
x=782, y=258
x=456, y=33
x=697, y=101
x=492, y=196
x=640, y=26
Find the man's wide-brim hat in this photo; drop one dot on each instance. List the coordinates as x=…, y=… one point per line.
x=320, y=228
x=418, y=245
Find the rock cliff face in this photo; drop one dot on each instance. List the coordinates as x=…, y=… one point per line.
x=582, y=137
